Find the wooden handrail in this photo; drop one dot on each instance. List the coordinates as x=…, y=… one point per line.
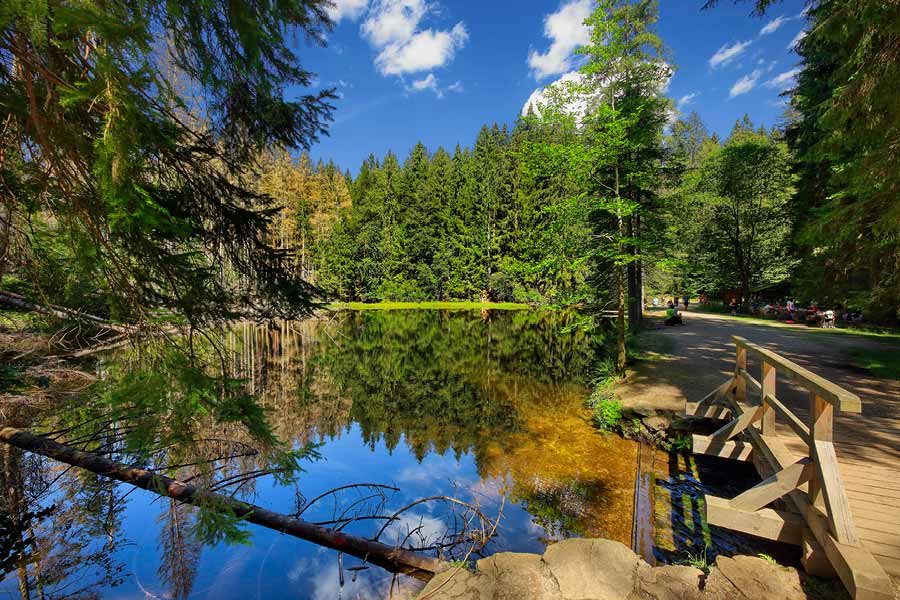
x=842, y=400
x=823, y=521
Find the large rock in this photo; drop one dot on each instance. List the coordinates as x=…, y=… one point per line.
x=752, y=578
x=517, y=576
x=587, y=569
x=670, y=582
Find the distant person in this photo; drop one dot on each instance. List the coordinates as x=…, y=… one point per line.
x=686, y=301
x=672, y=316
x=733, y=306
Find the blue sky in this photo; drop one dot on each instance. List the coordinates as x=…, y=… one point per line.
x=434, y=70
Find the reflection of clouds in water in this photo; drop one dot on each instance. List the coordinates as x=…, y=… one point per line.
x=317, y=578
x=423, y=528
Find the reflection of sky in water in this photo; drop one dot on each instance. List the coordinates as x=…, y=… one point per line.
x=279, y=566
x=542, y=453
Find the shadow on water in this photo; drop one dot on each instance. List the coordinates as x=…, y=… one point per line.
x=680, y=533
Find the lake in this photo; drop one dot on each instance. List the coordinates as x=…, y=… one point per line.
x=486, y=407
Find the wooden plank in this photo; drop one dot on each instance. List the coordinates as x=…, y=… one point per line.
x=766, y=523
x=740, y=364
x=828, y=475
x=861, y=574
x=832, y=393
x=742, y=422
x=775, y=487
x=767, y=390
x=796, y=425
x=709, y=405
x=735, y=450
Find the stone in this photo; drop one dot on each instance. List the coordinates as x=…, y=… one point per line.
x=459, y=584
x=657, y=423
x=752, y=578
x=593, y=569
x=670, y=582
x=517, y=576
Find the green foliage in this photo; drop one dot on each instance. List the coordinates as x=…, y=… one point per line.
x=607, y=410
x=730, y=219
x=139, y=200
x=475, y=224
x=698, y=560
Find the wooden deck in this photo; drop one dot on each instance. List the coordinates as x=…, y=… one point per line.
x=780, y=433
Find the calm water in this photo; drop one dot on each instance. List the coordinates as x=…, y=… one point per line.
x=482, y=407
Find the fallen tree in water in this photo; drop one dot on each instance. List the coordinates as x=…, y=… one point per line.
x=393, y=558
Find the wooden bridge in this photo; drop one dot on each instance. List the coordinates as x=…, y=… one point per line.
x=808, y=496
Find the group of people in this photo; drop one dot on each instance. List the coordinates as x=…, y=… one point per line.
x=790, y=312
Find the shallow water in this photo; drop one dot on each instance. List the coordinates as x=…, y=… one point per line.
x=485, y=407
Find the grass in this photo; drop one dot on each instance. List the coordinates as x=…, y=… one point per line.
x=698, y=561
x=452, y=305
x=882, y=364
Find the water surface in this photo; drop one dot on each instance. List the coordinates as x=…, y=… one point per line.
x=485, y=407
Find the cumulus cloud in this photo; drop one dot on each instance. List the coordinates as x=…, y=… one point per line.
x=392, y=26
x=427, y=83
x=797, y=39
x=783, y=80
x=540, y=96
x=566, y=31
x=745, y=83
x=346, y=9
x=727, y=53
x=455, y=87
x=686, y=100
x=773, y=25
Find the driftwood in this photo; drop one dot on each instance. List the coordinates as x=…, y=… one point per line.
x=392, y=558
x=60, y=312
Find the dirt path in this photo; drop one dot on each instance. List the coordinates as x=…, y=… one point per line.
x=699, y=356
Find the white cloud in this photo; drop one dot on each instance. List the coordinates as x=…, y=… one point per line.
x=392, y=26
x=455, y=87
x=783, y=81
x=773, y=25
x=428, y=83
x=565, y=28
x=727, y=54
x=797, y=39
x=346, y=9
x=745, y=83
x=539, y=97
x=686, y=100
x=425, y=50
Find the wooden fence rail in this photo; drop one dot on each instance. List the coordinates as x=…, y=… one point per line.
x=819, y=516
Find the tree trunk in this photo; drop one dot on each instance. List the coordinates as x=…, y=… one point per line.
x=397, y=560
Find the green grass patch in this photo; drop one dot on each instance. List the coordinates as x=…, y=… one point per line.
x=649, y=344
x=606, y=408
x=884, y=364
x=461, y=305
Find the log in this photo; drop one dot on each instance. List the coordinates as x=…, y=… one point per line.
x=396, y=560
x=59, y=312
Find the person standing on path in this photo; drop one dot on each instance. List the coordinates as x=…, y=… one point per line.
x=686, y=301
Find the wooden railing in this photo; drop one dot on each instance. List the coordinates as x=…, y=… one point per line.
x=820, y=519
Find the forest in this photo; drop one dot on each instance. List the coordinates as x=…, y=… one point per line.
x=177, y=273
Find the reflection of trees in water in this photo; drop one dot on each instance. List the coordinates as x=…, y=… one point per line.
x=504, y=389
x=60, y=528
x=441, y=380
x=179, y=549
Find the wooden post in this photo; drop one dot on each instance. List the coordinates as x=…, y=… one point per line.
x=829, y=484
x=740, y=364
x=767, y=424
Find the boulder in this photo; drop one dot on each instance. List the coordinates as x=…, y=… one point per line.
x=593, y=569
x=670, y=582
x=752, y=578
x=516, y=576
